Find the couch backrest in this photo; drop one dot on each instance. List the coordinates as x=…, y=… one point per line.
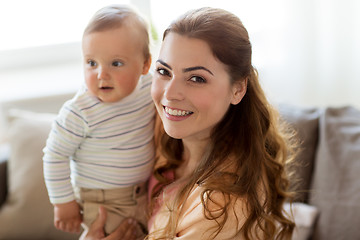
x=306, y=122
x=335, y=188
x=329, y=167
x=47, y=104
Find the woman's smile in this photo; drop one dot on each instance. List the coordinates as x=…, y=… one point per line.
x=176, y=114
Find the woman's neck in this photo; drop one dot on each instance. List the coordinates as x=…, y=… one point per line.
x=193, y=153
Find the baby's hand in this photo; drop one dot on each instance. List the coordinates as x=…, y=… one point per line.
x=67, y=217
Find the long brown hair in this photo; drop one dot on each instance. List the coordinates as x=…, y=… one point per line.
x=248, y=139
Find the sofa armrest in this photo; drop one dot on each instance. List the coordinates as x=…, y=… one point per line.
x=4, y=155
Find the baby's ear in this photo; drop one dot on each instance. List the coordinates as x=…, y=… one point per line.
x=146, y=66
x=239, y=90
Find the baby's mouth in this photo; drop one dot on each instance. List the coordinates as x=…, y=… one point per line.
x=105, y=88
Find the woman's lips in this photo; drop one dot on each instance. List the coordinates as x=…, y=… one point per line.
x=176, y=114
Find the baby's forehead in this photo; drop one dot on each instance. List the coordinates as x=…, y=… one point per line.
x=123, y=42
x=131, y=25
x=130, y=29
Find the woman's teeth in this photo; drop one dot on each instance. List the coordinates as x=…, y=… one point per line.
x=176, y=112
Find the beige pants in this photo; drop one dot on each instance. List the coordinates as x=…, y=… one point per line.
x=119, y=203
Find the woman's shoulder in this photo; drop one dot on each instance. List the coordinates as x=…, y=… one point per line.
x=204, y=210
x=214, y=200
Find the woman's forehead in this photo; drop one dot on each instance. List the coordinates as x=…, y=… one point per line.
x=176, y=47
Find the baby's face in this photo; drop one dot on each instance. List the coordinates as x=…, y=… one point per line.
x=113, y=62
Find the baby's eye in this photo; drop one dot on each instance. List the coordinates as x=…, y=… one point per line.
x=197, y=79
x=117, y=64
x=163, y=71
x=91, y=63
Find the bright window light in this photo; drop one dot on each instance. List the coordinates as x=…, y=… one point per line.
x=35, y=23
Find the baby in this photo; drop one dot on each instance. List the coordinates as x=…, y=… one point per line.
x=100, y=150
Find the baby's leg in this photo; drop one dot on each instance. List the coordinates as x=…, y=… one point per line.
x=89, y=203
x=119, y=204
x=90, y=213
x=130, y=202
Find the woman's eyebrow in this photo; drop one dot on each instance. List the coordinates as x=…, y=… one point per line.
x=189, y=69
x=164, y=63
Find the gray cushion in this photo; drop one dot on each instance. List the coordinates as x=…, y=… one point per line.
x=306, y=122
x=336, y=181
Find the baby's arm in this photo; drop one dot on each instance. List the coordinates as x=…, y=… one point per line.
x=61, y=144
x=67, y=217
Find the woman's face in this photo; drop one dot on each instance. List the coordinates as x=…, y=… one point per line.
x=191, y=88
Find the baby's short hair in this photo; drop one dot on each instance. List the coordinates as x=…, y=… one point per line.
x=114, y=16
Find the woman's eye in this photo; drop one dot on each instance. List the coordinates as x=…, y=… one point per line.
x=91, y=63
x=117, y=64
x=197, y=79
x=163, y=72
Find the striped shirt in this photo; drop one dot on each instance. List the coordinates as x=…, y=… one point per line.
x=100, y=145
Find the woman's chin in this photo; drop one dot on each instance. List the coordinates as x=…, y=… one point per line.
x=173, y=133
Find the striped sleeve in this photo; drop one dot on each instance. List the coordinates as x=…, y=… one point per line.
x=67, y=133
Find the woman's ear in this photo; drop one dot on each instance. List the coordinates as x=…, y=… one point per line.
x=238, y=91
x=146, y=66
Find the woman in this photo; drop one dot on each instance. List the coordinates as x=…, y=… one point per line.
x=220, y=172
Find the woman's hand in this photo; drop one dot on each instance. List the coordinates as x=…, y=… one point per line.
x=125, y=231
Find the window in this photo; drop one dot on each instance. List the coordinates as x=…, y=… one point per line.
x=306, y=52
x=40, y=51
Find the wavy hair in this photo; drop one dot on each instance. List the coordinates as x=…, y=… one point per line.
x=249, y=139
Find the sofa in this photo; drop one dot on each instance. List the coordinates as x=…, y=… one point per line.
x=327, y=171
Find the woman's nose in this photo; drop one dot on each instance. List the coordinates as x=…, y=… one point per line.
x=174, y=89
